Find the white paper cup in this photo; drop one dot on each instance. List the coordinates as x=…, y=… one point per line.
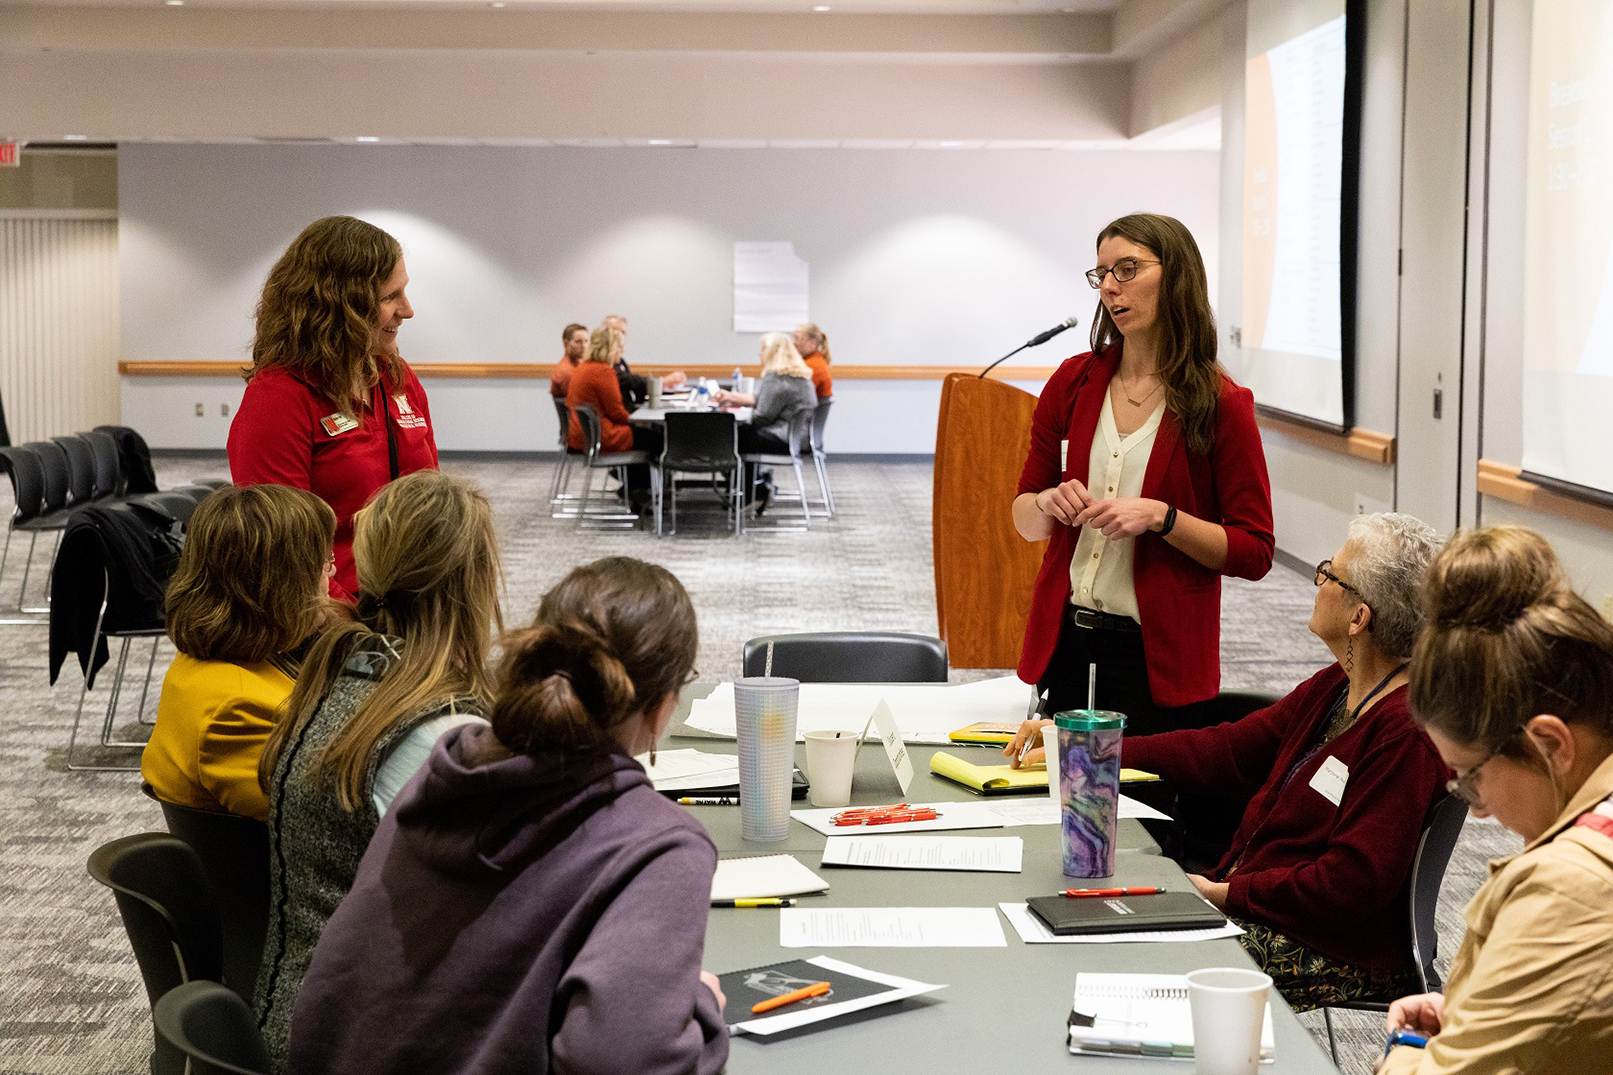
x=653, y=386
x=829, y=758
x=1229, y=1007
x=1050, y=751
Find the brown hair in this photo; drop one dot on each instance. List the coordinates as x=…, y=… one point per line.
x=1188, y=367
x=1507, y=639
x=613, y=638
x=320, y=305
x=603, y=344
x=428, y=569
x=565, y=333
x=249, y=580
x=817, y=336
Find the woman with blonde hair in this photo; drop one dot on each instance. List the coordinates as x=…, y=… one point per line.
x=557, y=904
x=247, y=597
x=813, y=344
x=330, y=406
x=784, y=392
x=595, y=385
x=373, y=698
x=1513, y=681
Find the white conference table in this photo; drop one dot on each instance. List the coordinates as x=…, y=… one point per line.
x=1004, y=1009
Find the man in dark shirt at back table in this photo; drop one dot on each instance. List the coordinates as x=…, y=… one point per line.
x=635, y=389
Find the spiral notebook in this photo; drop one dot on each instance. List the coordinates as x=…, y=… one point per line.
x=1144, y=1015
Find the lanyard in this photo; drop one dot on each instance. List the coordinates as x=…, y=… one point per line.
x=1373, y=693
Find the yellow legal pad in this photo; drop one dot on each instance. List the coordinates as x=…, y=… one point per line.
x=1003, y=780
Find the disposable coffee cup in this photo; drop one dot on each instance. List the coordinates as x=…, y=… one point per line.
x=829, y=758
x=1089, y=789
x=764, y=730
x=655, y=391
x=1050, y=752
x=1229, y=1010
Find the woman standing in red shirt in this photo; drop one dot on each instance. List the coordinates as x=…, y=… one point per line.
x=1146, y=472
x=330, y=406
x=594, y=383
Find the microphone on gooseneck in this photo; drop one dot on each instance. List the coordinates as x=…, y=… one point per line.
x=1035, y=341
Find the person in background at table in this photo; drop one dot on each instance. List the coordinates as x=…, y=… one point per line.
x=1513, y=681
x=1338, y=781
x=575, y=341
x=556, y=903
x=1146, y=472
x=372, y=699
x=635, y=388
x=330, y=406
x=248, y=595
x=595, y=384
x=814, y=347
x=783, y=392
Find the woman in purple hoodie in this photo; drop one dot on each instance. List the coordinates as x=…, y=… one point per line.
x=531, y=903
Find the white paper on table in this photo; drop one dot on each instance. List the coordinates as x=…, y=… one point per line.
x=987, y=854
x=890, y=927
x=925, y=712
x=764, y=877
x=901, y=989
x=1033, y=930
x=949, y=816
x=1130, y=807
x=676, y=770
x=1042, y=812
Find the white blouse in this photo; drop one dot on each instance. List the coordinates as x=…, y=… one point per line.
x=1100, y=569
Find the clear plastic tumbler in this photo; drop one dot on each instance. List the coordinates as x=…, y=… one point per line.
x=1089, y=789
x=764, y=726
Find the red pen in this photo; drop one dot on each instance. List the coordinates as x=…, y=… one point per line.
x=869, y=811
x=1092, y=893
x=909, y=815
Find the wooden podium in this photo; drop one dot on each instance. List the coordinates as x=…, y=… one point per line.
x=984, y=570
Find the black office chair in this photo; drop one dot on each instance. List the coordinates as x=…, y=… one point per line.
x=702, y=442
x=208, y=1025
x=850, y=657
x=80, y=469
x=168, y=912
x=820, y=460
x=1434, y=848
x=597, y=459
x=800, y=434
x=108, y=466
x=234, y=853
x=30, y=512
x=560, y=496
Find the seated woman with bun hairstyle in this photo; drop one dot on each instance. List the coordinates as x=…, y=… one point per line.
x=531, y=903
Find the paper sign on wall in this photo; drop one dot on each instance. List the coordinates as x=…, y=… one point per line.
x=770, y=287
x=890, y=736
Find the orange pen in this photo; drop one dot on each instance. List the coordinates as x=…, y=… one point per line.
x=816, y=989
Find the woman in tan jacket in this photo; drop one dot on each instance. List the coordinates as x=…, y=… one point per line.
x=1513, y=681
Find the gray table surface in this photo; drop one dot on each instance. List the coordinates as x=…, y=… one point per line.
x=1004, y=1009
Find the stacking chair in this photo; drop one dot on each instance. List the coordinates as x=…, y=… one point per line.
x=40, y=505
x=212, y=1028
x=108, y=467
x=234, y=853
x=850, y=657
x=595, y=460
x=169, y=913
x=820, y=461
x=800, y=434
x=80, y=457
x=559, y=495
x=1440, y=833
x=702, y=442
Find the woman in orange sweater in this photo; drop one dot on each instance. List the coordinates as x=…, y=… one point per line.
x=814, y=347
x=594, y=383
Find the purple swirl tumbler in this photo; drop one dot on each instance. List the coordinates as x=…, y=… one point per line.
x=1089, y=789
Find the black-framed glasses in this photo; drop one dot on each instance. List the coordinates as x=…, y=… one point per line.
x=1324, y=574
x=1124, y=270
x=1463, y=785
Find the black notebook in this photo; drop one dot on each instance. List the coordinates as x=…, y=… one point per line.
x=1067, y=916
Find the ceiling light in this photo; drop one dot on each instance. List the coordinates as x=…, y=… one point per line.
x=496, y=3
x=660, y=141
x=366, y=138
x=173, y=3
x=75, y=138
x=952, y=143
x=821, y=7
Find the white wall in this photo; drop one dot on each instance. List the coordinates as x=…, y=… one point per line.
x=943, y=257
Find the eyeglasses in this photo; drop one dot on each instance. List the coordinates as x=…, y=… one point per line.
x=1463, y=785
x=1124, y=270
x=1324, y=574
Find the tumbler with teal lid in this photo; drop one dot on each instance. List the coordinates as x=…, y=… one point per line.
x=1089, y=789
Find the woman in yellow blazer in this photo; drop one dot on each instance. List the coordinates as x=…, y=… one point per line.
x=249, y=590
x=1513, y=681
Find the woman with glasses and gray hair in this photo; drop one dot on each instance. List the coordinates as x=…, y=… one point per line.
x=1147, y=479
x=1513, y=681
x=1338, y=781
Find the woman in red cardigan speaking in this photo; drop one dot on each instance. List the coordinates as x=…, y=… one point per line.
x=1146, y=472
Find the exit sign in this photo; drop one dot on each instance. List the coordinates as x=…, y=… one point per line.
x=10, y=152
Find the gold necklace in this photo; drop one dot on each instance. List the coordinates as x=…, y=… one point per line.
x=1126, y=392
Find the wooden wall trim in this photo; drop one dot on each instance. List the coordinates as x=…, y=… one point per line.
x=1360, y=443
x=541, y=370
x=1504, y=481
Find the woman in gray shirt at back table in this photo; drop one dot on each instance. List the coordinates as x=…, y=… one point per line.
x=785, y=391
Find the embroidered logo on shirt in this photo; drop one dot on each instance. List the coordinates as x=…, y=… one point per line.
x=407, y=418
x=336, y=424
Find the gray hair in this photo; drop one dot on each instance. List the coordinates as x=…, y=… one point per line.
x=1392, y=554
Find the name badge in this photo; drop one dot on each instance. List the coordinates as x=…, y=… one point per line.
x=1330, y=779
x=336, y=424
x=1064, y=456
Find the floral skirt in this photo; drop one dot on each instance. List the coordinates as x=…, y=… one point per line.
x=1308, y=979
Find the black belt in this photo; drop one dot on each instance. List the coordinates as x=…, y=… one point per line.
x=1092, y=620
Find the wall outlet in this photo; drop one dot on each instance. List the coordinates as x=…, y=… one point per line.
x=223, y=410
x=1366, y=505
x=201, y=410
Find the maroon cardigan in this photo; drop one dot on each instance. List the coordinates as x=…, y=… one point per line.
x=1180, y=599
x=1335, y=879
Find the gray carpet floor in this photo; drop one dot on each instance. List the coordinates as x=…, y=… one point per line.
x=70, y=996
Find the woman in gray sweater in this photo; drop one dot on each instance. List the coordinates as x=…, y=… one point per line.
x=784, y=392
